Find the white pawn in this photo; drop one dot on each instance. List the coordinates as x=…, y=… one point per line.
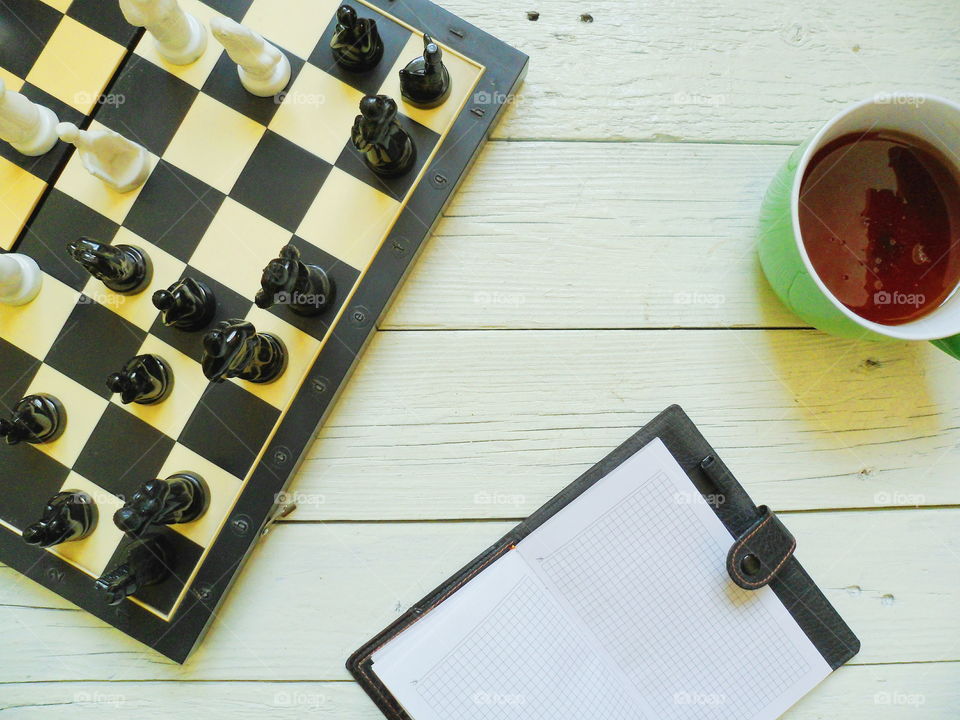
x=30, y=128
x=181, y=38
x=20, y=279
x=120, y=163
x=264, y=70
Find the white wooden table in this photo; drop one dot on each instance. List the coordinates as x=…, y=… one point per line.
x=597, y=265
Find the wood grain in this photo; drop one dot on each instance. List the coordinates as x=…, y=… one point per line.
x=313, y=593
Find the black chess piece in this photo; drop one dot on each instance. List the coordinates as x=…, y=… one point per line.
x=125, y=269
x=36, y=419
x=425, y=81
x=188, y=304
x=306, y=289
x=386, y=147
x=356, y=42
x=145, y=561
x=234, y=348
x=181, y=498
x=69, y=516
x=144, y=379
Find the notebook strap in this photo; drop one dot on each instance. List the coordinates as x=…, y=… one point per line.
x=759, y=553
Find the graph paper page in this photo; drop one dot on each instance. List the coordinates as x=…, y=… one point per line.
x=640, y=559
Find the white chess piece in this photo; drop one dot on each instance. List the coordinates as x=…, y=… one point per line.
x=20, y=279
x=30, y=128
x=181, y=38
x=264, y=70
x=120, y=163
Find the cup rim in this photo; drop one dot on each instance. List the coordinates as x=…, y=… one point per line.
x=906, y=331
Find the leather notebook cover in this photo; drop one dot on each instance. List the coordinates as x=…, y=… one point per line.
x=761, y=552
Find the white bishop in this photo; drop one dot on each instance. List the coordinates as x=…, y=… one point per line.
x=264, y=70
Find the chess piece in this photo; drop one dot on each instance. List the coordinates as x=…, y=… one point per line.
x=306, y=289
x=356, y=42
x=145, y=561
x=30, y=128
x=125, y=269
x=425, y=81
x=234, y=349
x=181, y=39
x=68, y=517
x=120, y=163
x=36, y=419
x=188, y=304
x=20, y=279
x=386, y=147
x=181, y=498
x=144, y=379
x=264, y=70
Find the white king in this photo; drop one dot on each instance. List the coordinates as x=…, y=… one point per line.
x=264, y=70
x=30, y=128
x=181, y=38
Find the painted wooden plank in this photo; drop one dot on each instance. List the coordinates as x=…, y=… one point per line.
x=438, y=425
x=315, y=592
x=877, y=692
x=729, y=70
x=580, y=235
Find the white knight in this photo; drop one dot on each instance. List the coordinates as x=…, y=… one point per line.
x=181, y=38
x=120, y=163
x=264, y=70
x=30, y=128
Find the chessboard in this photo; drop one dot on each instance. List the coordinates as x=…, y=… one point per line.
x=234, y=178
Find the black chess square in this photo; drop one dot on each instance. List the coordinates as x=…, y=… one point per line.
x=233, y=9
x=123, y=452
x=149, y=118
x=229, y=426
x=104, y=17
x=61, y=220
x=230, y=304
x=395, y=38
x=174, y=210
x=181, y=556
x=224, y=84
x=25, y=28
x=342, y=277
x=36, y=478
x=425, y=139
x=94, y=342
x=16, y=372
x=43, y=166
x=280, y=181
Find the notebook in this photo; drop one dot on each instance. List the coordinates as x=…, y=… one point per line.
x=645, y=591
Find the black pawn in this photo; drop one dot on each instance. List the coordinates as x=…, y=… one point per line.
x=38, y=418
x=143, y=562
x=386, y=147
x=144, y=379
x=188, y=304
x=425, y=81
x=69, y=516
x=125, y=269
x=181, y=498
x=234, y=349
x=356, y=42
x=305, y=289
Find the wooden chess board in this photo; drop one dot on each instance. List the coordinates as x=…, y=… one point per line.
x=234, y=179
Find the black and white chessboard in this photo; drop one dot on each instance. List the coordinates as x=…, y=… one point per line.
x=234, y=179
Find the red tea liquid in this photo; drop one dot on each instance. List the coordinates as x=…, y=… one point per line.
x=880, y=219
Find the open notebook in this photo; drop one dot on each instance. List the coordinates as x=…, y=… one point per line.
x=617, y=606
